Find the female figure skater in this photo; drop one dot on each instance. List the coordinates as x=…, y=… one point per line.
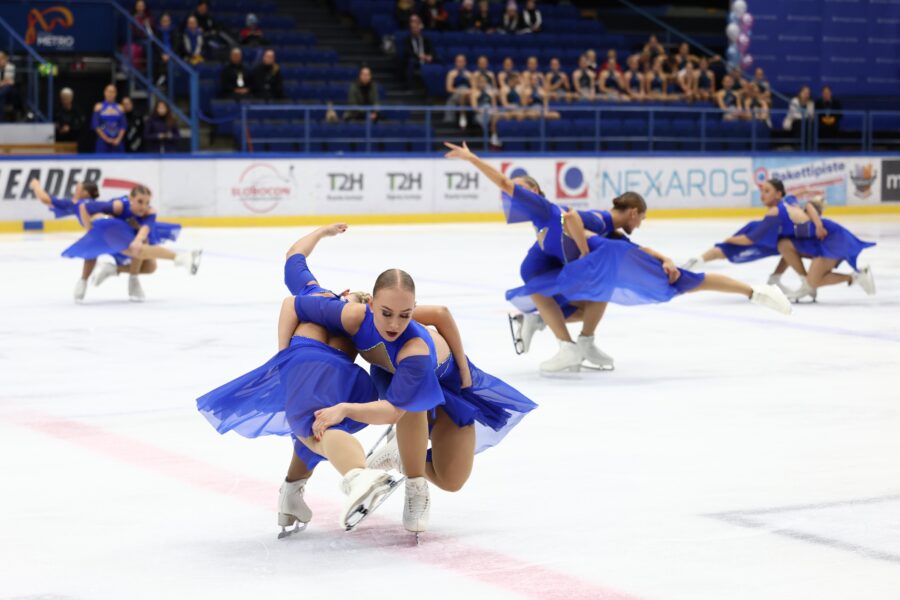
x=67, y=207
x=131, y=236
x=468, y=410
x=598, y=268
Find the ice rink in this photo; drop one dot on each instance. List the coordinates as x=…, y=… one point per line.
x=734, y=453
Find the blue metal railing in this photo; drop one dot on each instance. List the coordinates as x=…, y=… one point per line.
x=592, y=128
x=32, y=57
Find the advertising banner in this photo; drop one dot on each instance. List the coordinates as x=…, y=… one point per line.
x=840, y=180
x=890, y=180
x=62, y=27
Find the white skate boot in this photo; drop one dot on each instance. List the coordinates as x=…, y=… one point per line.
x=189, y=260
x=135, y=291
x=692, y=264
x=366, y=490
x=103, y=272
x=523, y=327
x=864, y=279
x=292, y=508
x=80, y=290
x=386, y=457
x=801, y=292
x=771, y=297
x=569, y=358
x=417, y=506
x=594, y=355
x=775, y=279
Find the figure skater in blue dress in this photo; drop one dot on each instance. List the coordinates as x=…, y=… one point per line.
x=131, y=235
x=109, y=123
x=311, y=372
x=462, y=409
x=597, y=268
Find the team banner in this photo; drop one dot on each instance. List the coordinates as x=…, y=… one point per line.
x=62, y=27
x=316, y=186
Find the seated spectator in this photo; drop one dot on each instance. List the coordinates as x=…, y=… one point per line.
x=68, y=120
x=509, y=99
x=591, y=57
x=467, y=16
x=417, y=50
x=633, y=79
x=161, y=133
x=7, y=83
x=434, y=15
x=215, y=36
x=268, y=83
x=611, y=57
x=484, y=69
x=533, y=98
x=483, y=21
x=251, y=34
x=363, y=92
x=654, y=48
x=584, y=79
x=234, y=82
x=531, y=17
x=404, y=10
x=706, y=81
x=508, y=70
x=512, y=21
x=532, y=71
x=683, y=57
x=556, y=82
x=192, y=42
x=610, y=83
x=483, y=100
x=109, y=123
x=646, y=61
x=730, y=102
x=755, y=104
x=828, y=110
x=134, y=127
x=658, y=83
x=458, y=85
x=687, y=82
x=759, y=78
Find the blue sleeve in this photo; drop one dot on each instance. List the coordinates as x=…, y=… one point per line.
x=322, y=311
x=594, y=221
x=767, y=229
x=100, y=206
x=297, y=274
x=525, y=205
x=415, y=387
x=95, y=120
x=149, y=220
x=792, y=200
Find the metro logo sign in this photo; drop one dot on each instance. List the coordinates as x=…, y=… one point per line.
x=48, y=20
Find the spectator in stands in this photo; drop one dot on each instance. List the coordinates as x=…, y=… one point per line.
x=134, y=127
x=828, y=110
x=683, y=57
x=508, y=70
x=755, y=104
x=484, y=69
x=404, y=10
x=467, y=16
x=584, y=79
x=509, y=99
x=512, y=21
x=556, y=82
x=234, y=82
x=611, y=57
x=418, y=49
x=168, y=38
x=534, y=99
x=610, y=83
x=654, y=49
x=7, y=83
x=759, y=78
x=434, y=15
x=68, y=120
x=109, y=123
x=687, y=82
x=483, y=100
x=706, y=81
x=646, y=61
x=161, y=131
x=483, y=20
x=658, y=83
x=215, y=36
x=458, y=85
x=532, y=71
x=363, y=92
x=801, y=107
x=268, y=82
x=591, y=57
x=192, y=41
x=531, y=17
x=142, y=16
x=633, y=79
x=251, y=35
x=730, y=102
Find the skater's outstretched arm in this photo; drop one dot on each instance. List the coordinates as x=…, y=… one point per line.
x=667, y=264
x=442, y=319
x=307, y=243
x=287, y=323
x=574, y=228
x=463, y=153
x=38, y=190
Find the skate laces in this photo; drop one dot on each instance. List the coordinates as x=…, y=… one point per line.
x=417, y=502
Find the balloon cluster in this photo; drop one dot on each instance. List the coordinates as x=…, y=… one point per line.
x=739, y=30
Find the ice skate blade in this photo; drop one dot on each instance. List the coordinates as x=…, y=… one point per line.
x=385, y=437
x=515, y=323
x=298, y=527
x=567, y=373
x=596, y=369
x=374, y=500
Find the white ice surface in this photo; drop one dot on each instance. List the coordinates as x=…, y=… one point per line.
x=733, y=453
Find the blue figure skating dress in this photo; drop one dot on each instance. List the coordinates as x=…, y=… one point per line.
x=615, y=270
x=110, y=118
x=66, y=207
x=113, y=235
x=763, y=233
x=840, y=244
x=419, y=383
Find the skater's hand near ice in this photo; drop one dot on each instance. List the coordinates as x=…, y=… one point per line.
x=328, y=417
x=821, y=232
x=671, y=270
x=460, y=152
